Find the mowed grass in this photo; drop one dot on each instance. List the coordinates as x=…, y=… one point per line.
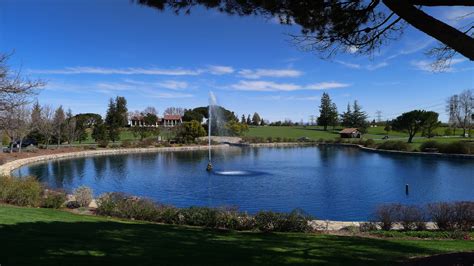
x=315, y=133
x=53, y=237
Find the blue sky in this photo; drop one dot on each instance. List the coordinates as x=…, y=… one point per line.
x=91, y=50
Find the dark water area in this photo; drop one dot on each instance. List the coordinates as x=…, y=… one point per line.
x=337, y=183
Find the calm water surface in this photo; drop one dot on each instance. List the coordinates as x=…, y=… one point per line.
x=339, y=183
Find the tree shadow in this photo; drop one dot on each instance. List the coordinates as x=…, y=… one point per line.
x=99, y=243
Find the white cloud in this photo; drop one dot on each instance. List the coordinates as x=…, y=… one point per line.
x=245, y=85
x=427, y=66
x=118, y=71
x=289, y=98
x=369, y=67
x=260, y=85
x=221, y=70
x=173, y=84
x=326, y=86
x=274, y=73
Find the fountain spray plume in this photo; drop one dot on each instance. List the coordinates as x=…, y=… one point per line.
x=212, y=102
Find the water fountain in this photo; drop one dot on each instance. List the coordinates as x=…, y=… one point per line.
x=212, y=102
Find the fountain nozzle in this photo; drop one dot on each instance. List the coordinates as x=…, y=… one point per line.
x=209, y=167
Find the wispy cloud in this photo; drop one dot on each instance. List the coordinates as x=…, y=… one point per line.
x=221, y=70
x=214, y=70
x=289, y=98
x=273, y=73
x=427, y=66
x=369, y=67
x=268, y=86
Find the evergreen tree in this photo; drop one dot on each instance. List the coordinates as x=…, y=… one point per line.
x=58, y=122
x=256, y=119
x=122, y=111
x=242, y=120
x=325, y=111
x=359, y=118
x=334, y=116
x=99, y=133
x=262, y=122
x=113, y=121
x=249, y=121
x=346, y=116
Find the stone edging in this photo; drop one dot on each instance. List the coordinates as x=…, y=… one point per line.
x=7, y=168
x=282, y=144
x=430, y=154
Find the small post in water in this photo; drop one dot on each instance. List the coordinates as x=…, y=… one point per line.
x=406, y=189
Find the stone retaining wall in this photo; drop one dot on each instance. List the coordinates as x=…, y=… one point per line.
x=7, y=168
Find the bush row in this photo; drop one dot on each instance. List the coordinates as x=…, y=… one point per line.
x=29, y=192
x=457, y=147
x=446, y=216
x=394, y=145
x=130, y=207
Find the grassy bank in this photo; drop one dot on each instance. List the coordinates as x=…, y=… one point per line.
x=45, y=236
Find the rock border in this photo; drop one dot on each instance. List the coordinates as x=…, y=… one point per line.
x=7, y=168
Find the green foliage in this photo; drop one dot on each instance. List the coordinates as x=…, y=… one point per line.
x=355, y=118
x=394, y=146
x=21, y=192
x=116, y=117
x=53, y=199
x=456, y=147
x=236, y=129
x=423, y=234
x=100, y=132
x=190, y=115
x=417, y=121
x=327, y=112
x=296, y=221
x=189, y=131
x=83, y=195
x=256, y=119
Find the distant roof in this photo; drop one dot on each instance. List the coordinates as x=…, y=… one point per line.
x=172, y=117
x=348, y=131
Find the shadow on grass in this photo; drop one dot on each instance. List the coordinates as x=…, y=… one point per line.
x=98, y=243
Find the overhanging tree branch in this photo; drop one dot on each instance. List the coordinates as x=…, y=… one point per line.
x=462, y=43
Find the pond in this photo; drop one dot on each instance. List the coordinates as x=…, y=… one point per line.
x=328, y=182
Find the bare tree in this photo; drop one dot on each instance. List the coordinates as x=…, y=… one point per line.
x=174, y=111
x=151, y=110
x=45, y=126
x=15, y=90
x=460, y=108
x=16, y=123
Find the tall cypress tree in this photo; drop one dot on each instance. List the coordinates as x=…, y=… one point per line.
x=326, y=114
x=112, y=121
x=346, y=116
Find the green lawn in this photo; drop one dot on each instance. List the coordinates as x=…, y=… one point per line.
x=52, y=237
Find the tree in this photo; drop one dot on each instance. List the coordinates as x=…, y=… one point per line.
x=359, y=118
x=411, y=122
x=388, y=127
x=149, y=128
x=236, y=129
x=326, y=111
x=355, y=26
x=431, y=123
x=346, y=116
x=45, y=126
x=249, y=121
x=256, y=119
x=262, y=122
x=243, y=120
x=190, y=115
x=174, y=111
x=113, y=121
x=16, y=123
x=334, y=116
x=70, y=127
x=460, y=108
x=188, y=132
x=100, y=133
x=122, y=111
x=58, y=124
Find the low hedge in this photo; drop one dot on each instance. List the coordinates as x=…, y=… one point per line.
x=456, y=147
x=21, y=192
x=394, y=146
x=125, y=206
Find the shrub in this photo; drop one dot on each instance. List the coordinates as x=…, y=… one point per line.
x=442, y=215
x=22, y=192
x=137, y=208
x=386, y=215
x=464, y=215
x=369, y=143
x=411, y=217
x=83, y=195
x=53, y=199
x=199, y=216
x=394, y=146
x=126, y=143
x=168, y=214
x=458, y=147
x=103, y=143
x=147, y=143
x=430, y=146
x=296, y=221
x=367, y=226
x=73, y=204
x=107, y=203
x=268, y=221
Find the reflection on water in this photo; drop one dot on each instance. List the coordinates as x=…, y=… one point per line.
x=341, y=183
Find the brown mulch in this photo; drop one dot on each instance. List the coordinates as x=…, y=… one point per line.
x=8, y=157
x=451, y=259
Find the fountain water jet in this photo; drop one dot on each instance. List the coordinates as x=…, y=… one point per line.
x=212, y=102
